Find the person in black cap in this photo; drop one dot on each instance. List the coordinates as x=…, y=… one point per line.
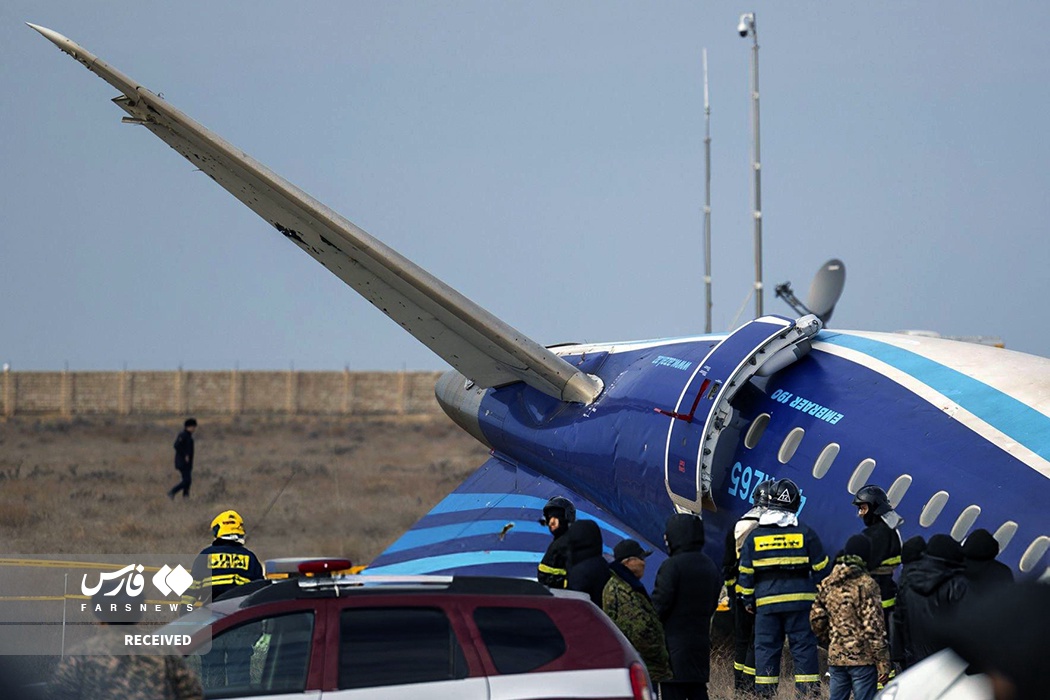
x=934, y=586
x=686, y=594
x=587, y=569
x=184, y=458
x=626, y=602
x=558, y=513
x=982, y=569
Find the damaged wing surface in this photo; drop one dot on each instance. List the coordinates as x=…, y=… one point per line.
x=478, y=344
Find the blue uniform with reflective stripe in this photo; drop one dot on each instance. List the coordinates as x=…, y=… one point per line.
x=780, y=567
x=779, y=570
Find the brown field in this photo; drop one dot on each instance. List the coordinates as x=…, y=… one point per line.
x=338, y=487
x=349, y=487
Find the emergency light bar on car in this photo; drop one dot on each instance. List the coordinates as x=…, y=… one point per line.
x=295, y=567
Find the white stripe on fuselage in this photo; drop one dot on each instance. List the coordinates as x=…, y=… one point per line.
x=939, y=400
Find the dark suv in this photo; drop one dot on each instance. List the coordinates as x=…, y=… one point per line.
x=435, y=636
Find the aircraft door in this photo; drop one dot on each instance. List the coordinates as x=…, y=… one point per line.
x=704, y=409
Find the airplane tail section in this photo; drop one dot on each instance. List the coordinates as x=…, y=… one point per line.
x=475, y=342
x=489, y=527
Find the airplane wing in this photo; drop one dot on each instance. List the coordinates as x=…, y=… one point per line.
x=478, y=344
x=489, y=526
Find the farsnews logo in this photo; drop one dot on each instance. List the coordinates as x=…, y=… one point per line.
x=131, y=581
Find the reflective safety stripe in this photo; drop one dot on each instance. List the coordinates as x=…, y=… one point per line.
x=738, y=589
x=766, y=680
x=889, y=603
x=737, y=666
x=748, y=671
x=786, y=598
x=730, y=582
x=807, y=678
x=892, y=561
x=544, y=569
x=781, y=561
x=745, y=591
x=746, y=570
x=793, y=540
x=225, y=580
x=821, y=565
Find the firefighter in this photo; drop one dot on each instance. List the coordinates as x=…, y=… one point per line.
x=882, y=523
x=558, y=514
x=225, y=564
x=743, y=621
x=780, y=564
x=221, y=567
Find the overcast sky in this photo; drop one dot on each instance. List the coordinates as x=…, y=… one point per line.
x=544, y=158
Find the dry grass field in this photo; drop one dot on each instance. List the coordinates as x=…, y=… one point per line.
x=350, y=488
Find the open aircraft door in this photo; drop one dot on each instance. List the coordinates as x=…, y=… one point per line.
x=704, y=408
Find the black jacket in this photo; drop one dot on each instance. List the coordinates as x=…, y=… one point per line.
x=685, y=597
x=220, y=568
x=552, y=568
x=885, y=557
x=982, y=569
x=930, y=591
x=184, y=450
x=588, y=570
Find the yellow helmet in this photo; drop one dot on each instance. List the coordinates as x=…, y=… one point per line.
x=228, y=525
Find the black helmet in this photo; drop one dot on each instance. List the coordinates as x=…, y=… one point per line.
x=785, y=495
x=875, y=497
x=559, y=503
x=761, y=496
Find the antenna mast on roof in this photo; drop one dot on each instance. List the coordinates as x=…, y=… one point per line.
x=707, y=203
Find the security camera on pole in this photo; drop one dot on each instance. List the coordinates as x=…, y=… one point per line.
x=748, y=26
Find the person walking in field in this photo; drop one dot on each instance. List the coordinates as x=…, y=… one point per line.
x=847, y=617
x=184, y=458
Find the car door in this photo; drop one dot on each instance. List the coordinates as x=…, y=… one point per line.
x=397, y=650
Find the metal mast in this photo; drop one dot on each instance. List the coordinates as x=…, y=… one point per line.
x=707, y=203
x=749, y=26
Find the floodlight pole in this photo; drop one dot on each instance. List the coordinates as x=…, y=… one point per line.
x=748, y=22
x=707, y=203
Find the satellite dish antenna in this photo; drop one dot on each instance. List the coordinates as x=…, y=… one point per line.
x=826, y=288
x=824, y=292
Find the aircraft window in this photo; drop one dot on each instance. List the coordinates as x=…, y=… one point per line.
x=965, y=522
x=823, y=463
x=861, y=475
x=1034, y=553
x=898, y=489
x=1005, y=533
x=754, y=433
x=933, y=508
x=790, y=444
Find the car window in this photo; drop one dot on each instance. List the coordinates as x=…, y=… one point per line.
x=266, y=655
x=519, y=639
x=394, y=646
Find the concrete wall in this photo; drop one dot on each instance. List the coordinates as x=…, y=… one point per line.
x=224, y=393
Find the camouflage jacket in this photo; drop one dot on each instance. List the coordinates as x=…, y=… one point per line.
x=847, y=616
x=626, y=603
x=91, y=672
